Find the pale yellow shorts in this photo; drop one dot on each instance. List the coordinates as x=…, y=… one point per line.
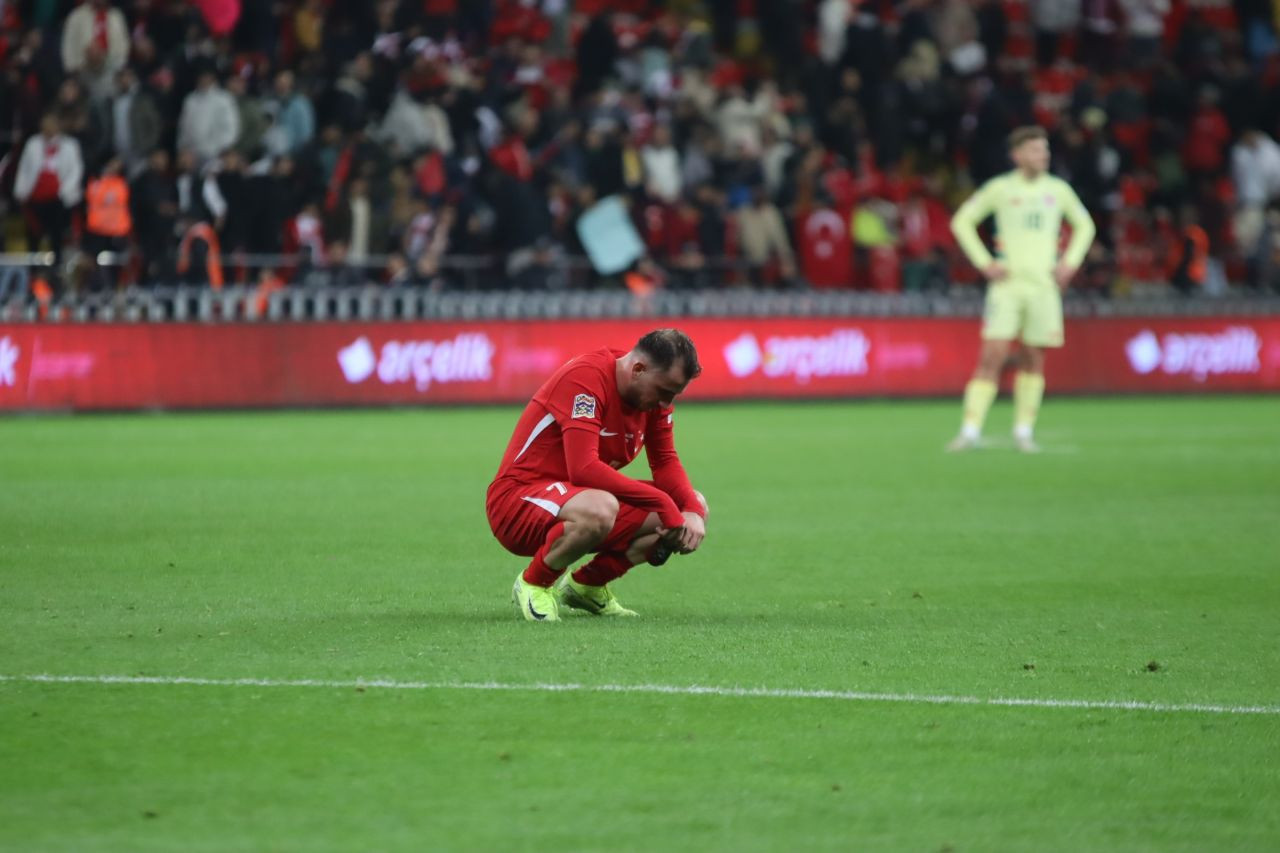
x=1019, y=309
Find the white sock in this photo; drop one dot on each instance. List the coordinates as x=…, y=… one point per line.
x=1022, y=432
x=970, y=432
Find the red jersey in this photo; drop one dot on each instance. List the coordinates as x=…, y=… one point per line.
x=578, y=429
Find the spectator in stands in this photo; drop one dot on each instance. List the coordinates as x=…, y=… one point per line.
x=85, y=120
x=414, y=123
x=108, y=222
x=1052, y=19
x=95, y=45
x=308, y=26
x=427, y=265
x=349, y=101
x=398, y=273
x=1100, y=34
x=922, y=98
x=252, y=118
x=278, y=194
x=765, y=243
x=1191, y=258
x=210, y=123
x=47, y=184
x=199, y=259
x=1144, y=28
x=1204, y=151
x=1257, y=21
x=833, y=21
x=993, y=28
x=136, y=122
x=231, y=192
x=338, y=269
x=715, y=223
x=293, y=114
x=1255, y=171
x=422, y=229
x=153, y=199
x=926, y=238
x=738, y=120
x=355, y=222
x=597, y=52
x=774, y=153
x=1266, y=264
x=304, y=237
x=603, y=153
x=954, y=25
x=661, y=166
x=189, y=182
x=485, y=109
x=682, y=251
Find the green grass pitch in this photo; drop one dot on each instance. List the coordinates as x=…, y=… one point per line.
x=1136, y=560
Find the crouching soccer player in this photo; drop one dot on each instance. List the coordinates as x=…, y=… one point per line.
x=559, y=496
x=1024, y=300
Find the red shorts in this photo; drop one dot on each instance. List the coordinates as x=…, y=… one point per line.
x=521, y=514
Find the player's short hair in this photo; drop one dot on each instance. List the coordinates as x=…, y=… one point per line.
x=1027, y=133
x=665, y=346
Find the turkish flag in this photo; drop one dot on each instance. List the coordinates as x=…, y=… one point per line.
x=826, y=249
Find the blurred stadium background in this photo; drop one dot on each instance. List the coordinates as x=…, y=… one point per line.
x=408, y=207
x=435, y=161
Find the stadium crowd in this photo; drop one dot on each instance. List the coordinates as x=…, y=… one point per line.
x=812, y=143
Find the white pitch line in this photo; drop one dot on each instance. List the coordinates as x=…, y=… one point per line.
x=667, y=689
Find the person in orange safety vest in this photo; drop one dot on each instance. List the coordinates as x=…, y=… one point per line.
x=108, y=224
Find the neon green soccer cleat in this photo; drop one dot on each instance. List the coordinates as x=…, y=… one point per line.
x=535, y=603
x=596, y=600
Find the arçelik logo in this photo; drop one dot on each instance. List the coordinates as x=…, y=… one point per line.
x=1144, y=352
x=1233, y=350
x=842, y=353
x=742, y=355
x=357, y=360
x=9, y=352
x=467, y=357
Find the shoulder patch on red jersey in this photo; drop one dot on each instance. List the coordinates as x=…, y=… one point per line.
x=584, y=406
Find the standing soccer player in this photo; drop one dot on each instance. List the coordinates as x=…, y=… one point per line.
x=558, y=494
x=1026, y=279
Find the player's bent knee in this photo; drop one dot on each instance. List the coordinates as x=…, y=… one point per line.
x=593, y=510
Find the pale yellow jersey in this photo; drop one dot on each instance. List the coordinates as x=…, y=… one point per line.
x=1029, y=216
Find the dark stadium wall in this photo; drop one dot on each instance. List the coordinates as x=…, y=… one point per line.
x=119, y=366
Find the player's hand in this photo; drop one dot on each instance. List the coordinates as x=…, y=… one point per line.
x=693, y=532
x=994, y=271
x=686, y=538
x=1063, y=273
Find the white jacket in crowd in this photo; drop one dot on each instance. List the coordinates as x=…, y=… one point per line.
x=77, y=35
x=414, y=127
x=65, y=162
x=1145, y=18
x=210, y=122
x=1255, y=168
x=661, y=171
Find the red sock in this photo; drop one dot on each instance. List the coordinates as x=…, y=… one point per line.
x=604, y=567
x=539, y=573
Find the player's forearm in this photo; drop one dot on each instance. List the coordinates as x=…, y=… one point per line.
x=966, y=233
x=582, y=458
x=671, y=477
x=1082, y=234
x=597, y=475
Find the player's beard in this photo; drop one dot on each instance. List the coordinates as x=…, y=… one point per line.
x=632, y=398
